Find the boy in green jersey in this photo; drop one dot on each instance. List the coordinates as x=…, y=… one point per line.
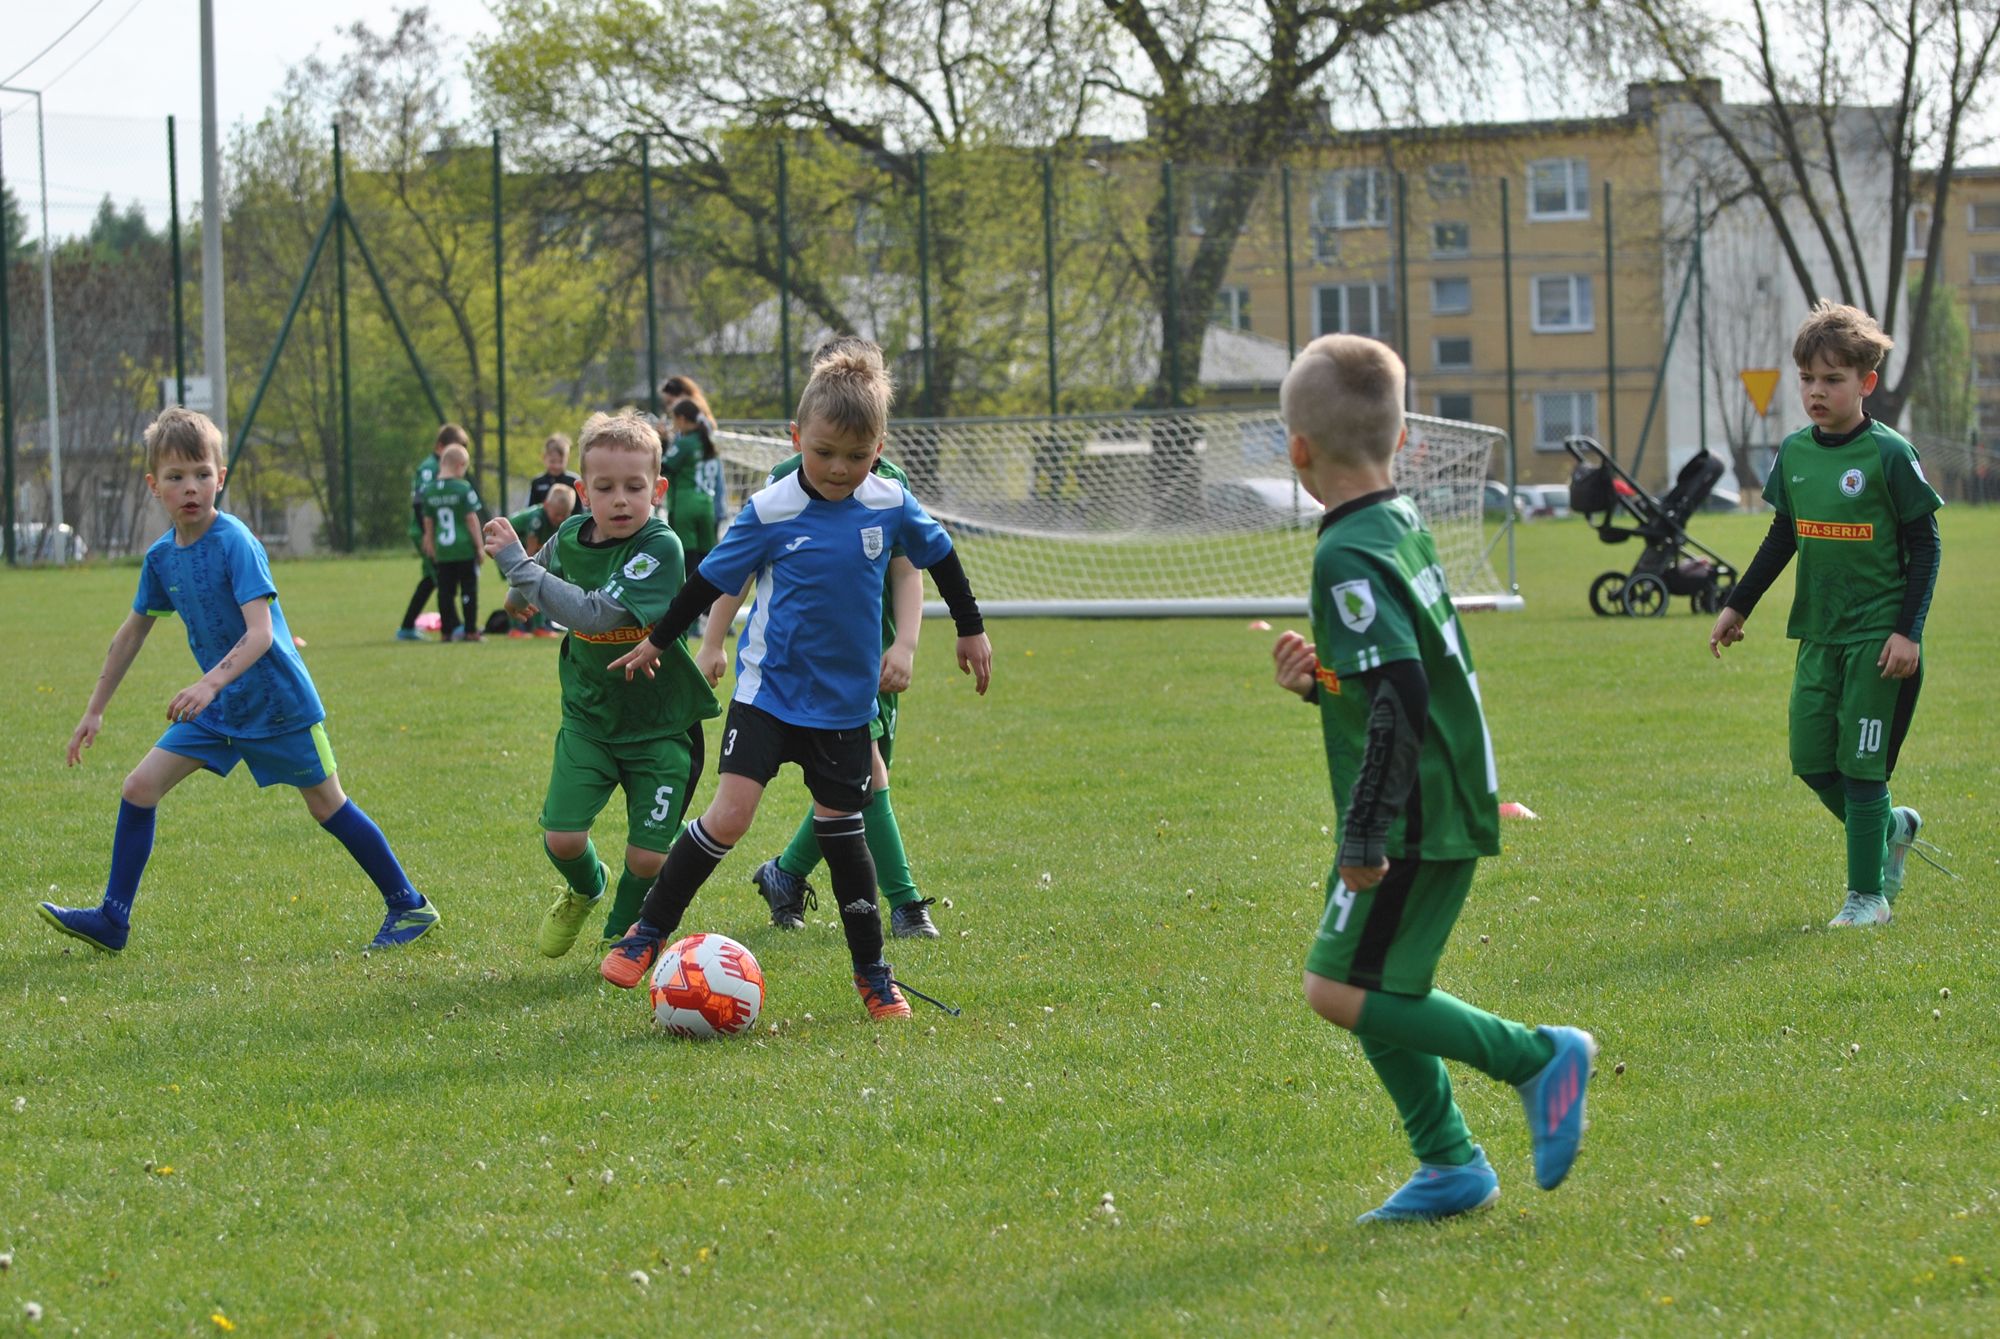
x=537, y=525
x=1413, y=775
x=1852, y=502
x=427, y=471
x=608, y=575
x=451, y=542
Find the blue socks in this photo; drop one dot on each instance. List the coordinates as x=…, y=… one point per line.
x=131, y=847
x=370, y=849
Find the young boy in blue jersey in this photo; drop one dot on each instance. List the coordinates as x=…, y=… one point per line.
x=254, y=702
x=809, y=660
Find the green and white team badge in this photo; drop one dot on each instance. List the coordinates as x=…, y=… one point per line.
x=871, y=541
x=1354, y=601
x=642, y=566
x=1851, y=483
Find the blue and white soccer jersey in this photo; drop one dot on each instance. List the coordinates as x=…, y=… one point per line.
x=811, y=653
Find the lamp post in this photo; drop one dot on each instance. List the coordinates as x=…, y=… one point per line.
x=48, y=331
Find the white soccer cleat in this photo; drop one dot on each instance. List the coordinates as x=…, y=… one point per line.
x=1861, y=910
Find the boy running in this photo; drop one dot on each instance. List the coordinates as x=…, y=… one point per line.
x=254, y=702
x=1850, y=499
x=1413, y=773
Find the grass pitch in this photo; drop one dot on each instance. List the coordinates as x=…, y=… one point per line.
x=246, y=1124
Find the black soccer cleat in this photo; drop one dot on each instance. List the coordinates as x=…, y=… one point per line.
x=788, y=894
x=912, y=921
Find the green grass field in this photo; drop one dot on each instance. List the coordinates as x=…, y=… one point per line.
x=244, y=1123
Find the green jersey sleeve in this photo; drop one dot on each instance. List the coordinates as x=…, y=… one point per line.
x=1775, y=492
x=1911, y=492
x=1365, y=620
x=649, y=578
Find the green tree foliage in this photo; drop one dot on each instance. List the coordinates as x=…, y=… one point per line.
x=1943, y=402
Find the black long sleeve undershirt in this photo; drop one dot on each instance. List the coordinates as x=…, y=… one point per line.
x=949, y=575
x=1399, y=697
x=1781, y=541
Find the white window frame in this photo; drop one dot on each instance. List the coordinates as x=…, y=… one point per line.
x=1993, y=276
x=1972, y=320
x=1582, y=309
x=1329, y=199
x=1379, y=314
x=1439, y=307
x=1584, y=424
x=1437, y=250
x=1920, y=233
x=1442, y=410
x=1972, y=208
x=1448, y=181
x=1437, y=353
x=1234, y=303
x=1981, y=363
x=1575, y=187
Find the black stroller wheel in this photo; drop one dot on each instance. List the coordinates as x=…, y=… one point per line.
x=1644, y=596
x=1604, y=593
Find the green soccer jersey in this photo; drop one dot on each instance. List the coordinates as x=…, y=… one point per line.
x=1379, y=595
x=532, y=524
x=446, y=502
x=643, y=573
x=888, y=470
x=678, y=460
x=426, y=472
x=1849, y=504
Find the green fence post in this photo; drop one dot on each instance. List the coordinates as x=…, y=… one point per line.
x=1291, y=290
x=332, y=220
x=346, y=383
x=1049, y=274
x=784, y=284
x=652, y=306
x=1171, y=329
x=174, y=247
x=499, y=327
x=1610, y=336
x=924, y=280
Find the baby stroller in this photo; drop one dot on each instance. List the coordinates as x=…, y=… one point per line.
x=1672, y=564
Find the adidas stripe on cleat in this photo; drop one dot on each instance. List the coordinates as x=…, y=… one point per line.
x=1554, y=1103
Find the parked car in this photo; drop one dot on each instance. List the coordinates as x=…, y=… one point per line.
x=1544, y=499
x=35, y=542
x=1260, y=504
x=1723, y=499
x=1497, y=501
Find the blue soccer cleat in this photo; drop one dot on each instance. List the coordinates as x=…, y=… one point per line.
x=1440, y=1191
x=90, y=924
x=1554, y=1101
x=408, y=635
x=405, y=927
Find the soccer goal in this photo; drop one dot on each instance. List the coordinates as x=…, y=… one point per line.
x=1150, y=515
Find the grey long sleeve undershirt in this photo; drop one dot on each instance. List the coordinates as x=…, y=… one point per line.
x=572, y=606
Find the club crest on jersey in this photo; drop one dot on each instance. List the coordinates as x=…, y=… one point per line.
x=1354, y=601
x=642, y=566
x=1851, y=483
x=871, y=541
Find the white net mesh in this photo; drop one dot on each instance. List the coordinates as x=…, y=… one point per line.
x=1196, y=512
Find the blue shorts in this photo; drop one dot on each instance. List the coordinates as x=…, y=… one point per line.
x=296, y=758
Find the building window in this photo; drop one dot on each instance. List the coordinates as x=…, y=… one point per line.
x=1989, y=418
x=1452, y=352
x=1560, y=414
x=1986, y=369
x=1920, y=232
x=1448, y=181
x=1562, y=303
x=1985, y=314
x=1559, y=188
x=1355, y=197
x=1451, y=239
x=1454, y=406
x=1354, y=309
x=1985, y=216
x=1986, y=267
x=1232, y=308
x=1451, y=296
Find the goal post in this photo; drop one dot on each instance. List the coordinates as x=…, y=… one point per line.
x=1183, y=513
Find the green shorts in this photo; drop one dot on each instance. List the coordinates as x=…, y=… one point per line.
x=1845, y=717
x=1391, y=936
x=653, y=773
x=883, y=728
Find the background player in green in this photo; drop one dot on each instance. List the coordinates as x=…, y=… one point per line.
x=450, y=434
x=690, y=509
x=1849, y=498
x=1413, y=775
x=451, y=541
x=537, y=525
x=607, y=576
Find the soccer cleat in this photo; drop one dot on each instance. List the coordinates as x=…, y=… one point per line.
x=788, y=894
x=408, y=635
x=405, y=927
x=563, y=922
x=472, y=635
x=626, y=965
x=911, y=921
x=1908, y=824
x=517, y=633
x=878, y=991
x=90, y=924
x=1440, y=1191
x=1554, y=1102
x=1861, y=909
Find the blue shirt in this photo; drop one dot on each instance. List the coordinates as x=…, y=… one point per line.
x=207, y=583
x=811, y=653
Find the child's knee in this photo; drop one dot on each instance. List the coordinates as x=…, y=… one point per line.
x=1335, y=1001
x=646, y=864
x=566, y=845
x=140, y=789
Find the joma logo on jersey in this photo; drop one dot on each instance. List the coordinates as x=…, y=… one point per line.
x=1835, y=529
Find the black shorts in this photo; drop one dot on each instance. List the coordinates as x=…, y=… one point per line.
x=839, y=765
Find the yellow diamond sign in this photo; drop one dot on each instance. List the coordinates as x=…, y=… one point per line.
x=1762, y=384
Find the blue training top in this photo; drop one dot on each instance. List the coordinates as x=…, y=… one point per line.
x=811, y=653
x=206, y=583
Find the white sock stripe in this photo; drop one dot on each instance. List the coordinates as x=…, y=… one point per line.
x=706, y=842
x=844, y=825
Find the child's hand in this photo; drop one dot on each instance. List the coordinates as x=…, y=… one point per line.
x=641, y=657
x=975, y=657
x=498, y=534
x=711, y=661
x=1295, y=664
x=191, y=701
x=84, y=735
x=897, y=666
x=1728, y=631
x=1361, y=878
x=1899, y=657
x=430, y=548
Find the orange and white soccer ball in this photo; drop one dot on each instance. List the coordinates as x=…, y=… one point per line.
x=707, y=986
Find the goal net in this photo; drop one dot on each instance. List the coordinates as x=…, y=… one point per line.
x=1195, y=512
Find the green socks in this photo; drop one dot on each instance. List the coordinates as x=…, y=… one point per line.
x=885, y=843
x=1438, y=1024
x=1863, y=807
x=585, y=873
x=1421, y=1090
x=631, y=895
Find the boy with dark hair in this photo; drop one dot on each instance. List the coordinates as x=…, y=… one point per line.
x=427, y=471
x=451, y=540
x=1412, y=767
x=254, y=702
x=809, y=660
x=1850, y=499
x=555, y=470
x=606, y=576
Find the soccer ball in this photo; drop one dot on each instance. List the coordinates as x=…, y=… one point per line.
x=707, y=986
